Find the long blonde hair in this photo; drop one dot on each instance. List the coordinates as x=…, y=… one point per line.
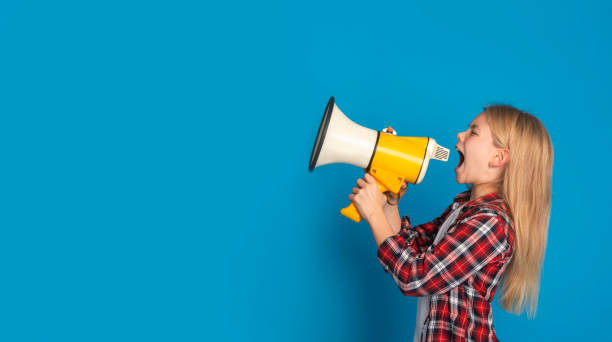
x=526, y=188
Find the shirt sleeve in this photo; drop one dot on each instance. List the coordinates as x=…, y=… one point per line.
x=475, y=241
x=420, y=237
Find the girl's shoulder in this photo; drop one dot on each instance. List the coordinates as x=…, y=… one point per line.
x=491, y=205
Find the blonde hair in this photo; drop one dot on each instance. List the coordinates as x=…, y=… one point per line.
x=526, y=188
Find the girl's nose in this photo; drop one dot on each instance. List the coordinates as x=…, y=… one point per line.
x=459, y=136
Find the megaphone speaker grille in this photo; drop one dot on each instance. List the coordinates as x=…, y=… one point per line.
x=441, y=153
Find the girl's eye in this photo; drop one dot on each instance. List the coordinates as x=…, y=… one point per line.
x=472, y=133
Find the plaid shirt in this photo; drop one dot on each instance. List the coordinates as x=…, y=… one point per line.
x=460, y=273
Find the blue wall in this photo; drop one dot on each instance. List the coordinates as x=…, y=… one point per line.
x=155, y=182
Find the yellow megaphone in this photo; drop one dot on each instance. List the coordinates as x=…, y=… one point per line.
x=390, y=159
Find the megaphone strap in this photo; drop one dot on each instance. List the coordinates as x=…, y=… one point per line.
x=392, y=198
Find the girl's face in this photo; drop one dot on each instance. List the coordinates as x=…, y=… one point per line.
x=476, y=154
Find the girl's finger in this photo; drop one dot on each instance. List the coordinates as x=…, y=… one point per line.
x=360, y=182
x=355, y=190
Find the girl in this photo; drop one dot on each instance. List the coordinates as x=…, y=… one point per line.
x=498, y=227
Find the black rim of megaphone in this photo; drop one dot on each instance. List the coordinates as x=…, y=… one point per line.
x=316, y=149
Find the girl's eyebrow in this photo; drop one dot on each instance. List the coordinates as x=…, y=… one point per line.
x=473, y=126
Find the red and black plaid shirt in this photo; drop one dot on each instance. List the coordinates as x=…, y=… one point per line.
x=461, y=272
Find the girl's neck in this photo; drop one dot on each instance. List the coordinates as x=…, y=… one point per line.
x=479, y=190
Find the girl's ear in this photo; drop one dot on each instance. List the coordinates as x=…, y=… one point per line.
x=499, y=158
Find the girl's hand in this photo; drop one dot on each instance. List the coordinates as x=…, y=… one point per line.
x=367, y=197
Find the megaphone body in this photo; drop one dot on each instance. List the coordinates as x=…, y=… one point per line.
x=390, y=159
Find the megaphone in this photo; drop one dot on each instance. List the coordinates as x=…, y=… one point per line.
x=390, y=159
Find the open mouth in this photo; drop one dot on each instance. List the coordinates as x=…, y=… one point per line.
x=461, y=158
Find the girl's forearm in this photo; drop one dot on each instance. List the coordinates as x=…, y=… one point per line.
x=381, y=229
x=393, y=217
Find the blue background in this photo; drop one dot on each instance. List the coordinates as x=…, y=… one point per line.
x=154, y=158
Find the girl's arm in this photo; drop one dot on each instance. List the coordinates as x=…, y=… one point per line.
x=423, y=234
x=392, y=214
x=473, y=243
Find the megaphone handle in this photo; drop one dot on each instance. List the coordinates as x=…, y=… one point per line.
x=352, y=212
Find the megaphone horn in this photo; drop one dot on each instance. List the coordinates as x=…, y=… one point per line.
x=340, y=140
